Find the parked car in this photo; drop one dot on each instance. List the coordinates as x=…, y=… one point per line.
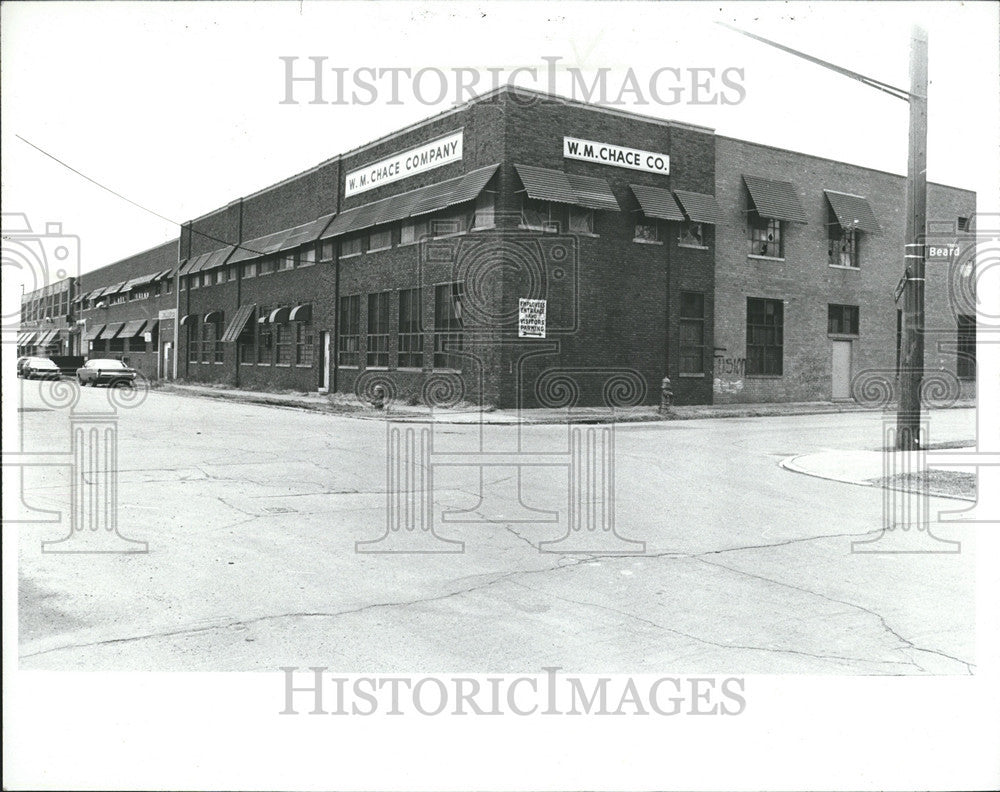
x=20, y=364
x=40, y=368
x=107, y=371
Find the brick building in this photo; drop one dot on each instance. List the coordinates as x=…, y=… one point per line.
x=740, y=271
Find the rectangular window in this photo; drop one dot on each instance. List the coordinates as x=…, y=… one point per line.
x=647, y=232
x=963, y=224
x=413, y=231
x=350, y=319
x=220, y=275
x=206, y=279
x=193, y=349
x=539, y=215
x=250, y=269
x=842, y=320
x=485, y=210
x=244, y=345
x=765, y=337
x=168, y=286
x=451, y=222
x=220, y=348
x=283, y=336
x=765, y=237
x=581, y=220
x=966, y=362
x=410, y=338
x=842, y=250
x=207, y=342
x=380, y=240
x=448, y=325
x=352, y=246
x=265, y=339
x=303, y=344
x=692, y=235
x=378, y=329
x=326, y=249
x=692, y=333
x=307, y=256
x=267, y=265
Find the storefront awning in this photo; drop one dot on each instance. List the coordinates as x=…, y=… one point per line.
x=94, y=332
x=301, y=313
x=775, y=200
x=421, y=201
x=239, y=322
x=132, y=329
x=544, y=184
x=279, y=315
x=111, y=331
x=213, y=317
x=853, y=212
x=189, y=319
x=699, y=207
x=657, y=203
x=25, y=339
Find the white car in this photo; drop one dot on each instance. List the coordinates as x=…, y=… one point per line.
x=106, y=370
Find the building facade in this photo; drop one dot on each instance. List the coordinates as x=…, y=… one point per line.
x=528, y=250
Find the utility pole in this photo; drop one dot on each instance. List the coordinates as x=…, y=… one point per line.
x=911, y=362
x=911, y=370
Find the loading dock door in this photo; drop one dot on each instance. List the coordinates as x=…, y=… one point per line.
x=841, y=369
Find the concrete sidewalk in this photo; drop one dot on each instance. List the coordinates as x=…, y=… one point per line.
x=869, y=468
x=348, y=406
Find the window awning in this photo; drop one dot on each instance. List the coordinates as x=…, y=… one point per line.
x=544, y=184
x=775, y=199
x=140, y=281
x=287, y=239
x=114, y=289
x=111, y=330
x=46, y=338
x=853, y=211
x=26, y=338
x=188, y=319
x=94, y=332
x=132, y=329
x=213, y=317
x=301, y=313
x=699, y=207
x=279, y=315
x=657, y=203
x=421, y=201
x=239, y=322
x=151, y=327
x=163, y=275
x=216, y=258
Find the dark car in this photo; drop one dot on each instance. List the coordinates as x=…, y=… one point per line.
x=40, y=368
x=106, y=371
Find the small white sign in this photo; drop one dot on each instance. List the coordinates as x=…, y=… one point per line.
x=168, y=313
x=531, y=318
x=620, y=156
x=407, y=163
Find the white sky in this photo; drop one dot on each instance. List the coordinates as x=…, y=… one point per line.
x=176, y=105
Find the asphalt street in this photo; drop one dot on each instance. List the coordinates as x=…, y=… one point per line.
x=252, y=514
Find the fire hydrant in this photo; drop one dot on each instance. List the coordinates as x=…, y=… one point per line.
x=666, y=396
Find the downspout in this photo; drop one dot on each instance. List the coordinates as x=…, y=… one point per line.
x=334, y=357
x=239, y=300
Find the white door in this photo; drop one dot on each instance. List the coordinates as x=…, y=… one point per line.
x=841, y=369
x=324, y=382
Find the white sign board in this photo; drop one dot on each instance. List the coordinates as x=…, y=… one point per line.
x=620, y=156
x=531, y=318
x=407, y=163
x=168, y=313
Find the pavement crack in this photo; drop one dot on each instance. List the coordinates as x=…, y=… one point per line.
x=907, y=643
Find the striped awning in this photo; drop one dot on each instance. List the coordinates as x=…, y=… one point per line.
x=286, y=239
x=118, y=287
x=775, y=200
x=239, y=322
x=657, y=203
x=421, y=201
x=163, y=275
x=699, y=207
x=194, y=264
x=216, y=258
x=132, y=329
x=853, y=212
x=140, y=281
x=94, y=332
x=45, y=338
x=545, y=184
x=25, y=339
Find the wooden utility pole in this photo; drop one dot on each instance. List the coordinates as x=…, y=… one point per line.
x=911, y=364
